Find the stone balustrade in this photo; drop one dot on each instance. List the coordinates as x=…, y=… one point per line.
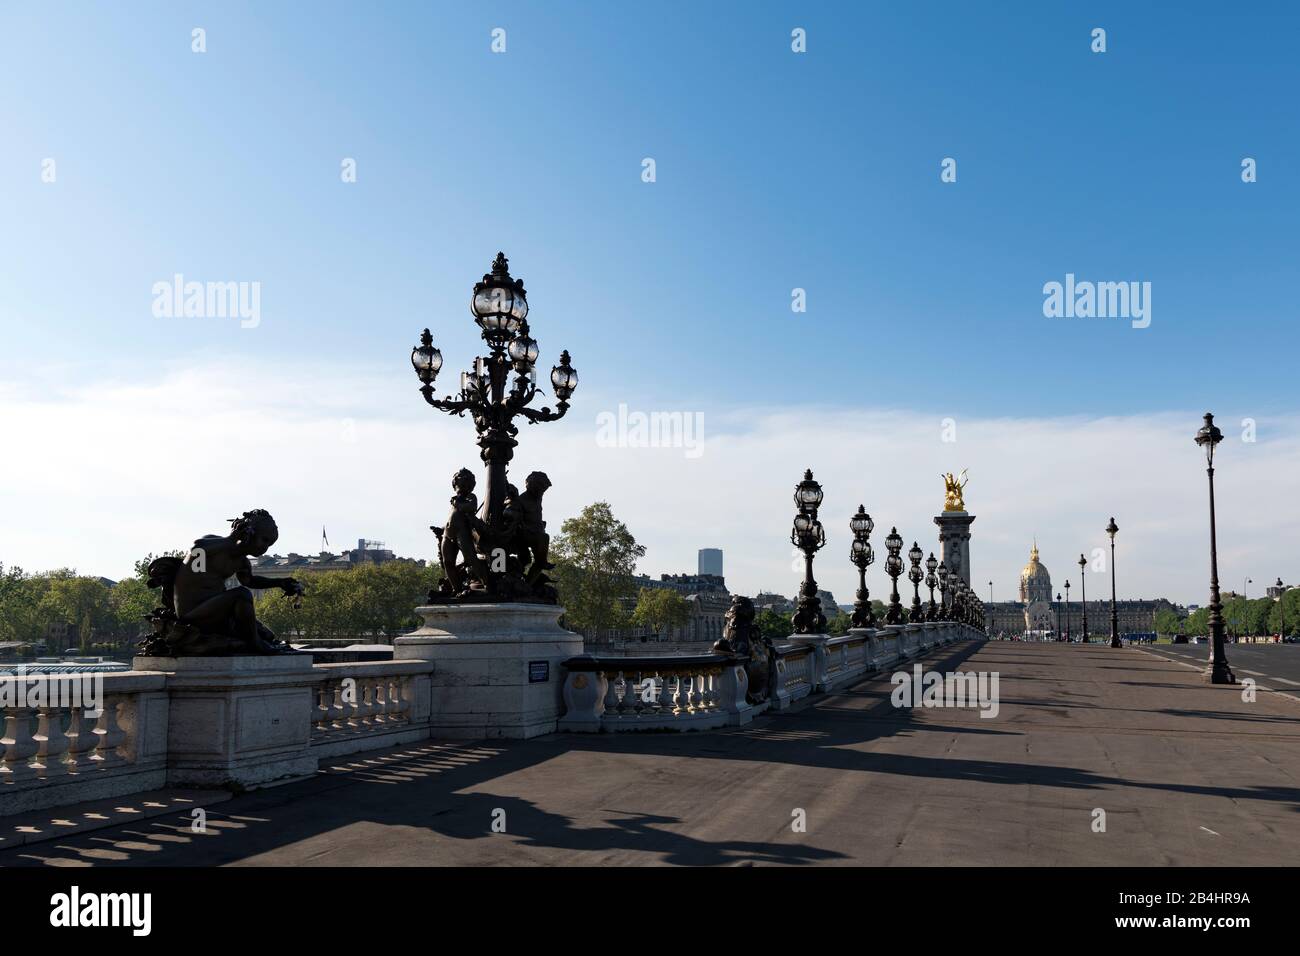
x=208, y=722
x=670, y=692
x=56, y=750
x=617, y=694
x=367, y=705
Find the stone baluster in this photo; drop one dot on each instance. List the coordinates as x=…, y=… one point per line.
x=611, y=694
x=355, y=703
x=19, y=746
x=110, y=736
x=634, y=689
x=80, y=742
x=338, y=709
x=697, y=690
x=324, y=697
x=399, y=699
x=52, y=744
x=381, y=716
x=665, y=706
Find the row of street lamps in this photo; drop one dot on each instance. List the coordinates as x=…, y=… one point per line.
x=957, y=602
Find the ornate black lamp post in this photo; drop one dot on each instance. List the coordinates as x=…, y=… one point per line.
x=500, y=307
x=945, y=610
x=1083, y=583
x=894, y=567
x=914, y=574
x=1112, y=529
x=809, y=537
x=1218, y=672
x=931, y=565
x=1058, y=615
x=862, y=556
x=1067, y=610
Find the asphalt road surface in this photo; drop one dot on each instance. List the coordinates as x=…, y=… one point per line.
x=1276, y=666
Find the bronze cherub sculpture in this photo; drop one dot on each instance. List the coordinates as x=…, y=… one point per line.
x=200, y=616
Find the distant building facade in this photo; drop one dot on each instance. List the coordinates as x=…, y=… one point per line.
x=1038, y=609
x=294, y=564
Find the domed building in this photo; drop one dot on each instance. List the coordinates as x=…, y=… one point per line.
x=1038, y=611
x=1035, y=581
x=1036, y=594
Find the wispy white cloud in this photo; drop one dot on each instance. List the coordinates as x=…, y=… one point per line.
x=100, y=472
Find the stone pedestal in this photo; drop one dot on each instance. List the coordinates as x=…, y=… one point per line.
x=237, y=722
x=497, y=667
x=954, y=541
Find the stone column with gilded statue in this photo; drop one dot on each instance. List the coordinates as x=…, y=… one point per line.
x=954, y=526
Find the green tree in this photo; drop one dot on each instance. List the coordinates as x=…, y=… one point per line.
x=23, y=617
x=368, y=604
x=660, y=609
x=1285, y=612
x=1167, y=622
x=773, y=626
x=838, y=624
x=81, y=601
x=129, y=602
x=595, y=557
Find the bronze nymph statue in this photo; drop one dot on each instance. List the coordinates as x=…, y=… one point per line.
x=200, y=616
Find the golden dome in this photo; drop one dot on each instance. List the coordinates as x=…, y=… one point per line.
x=1035, y=581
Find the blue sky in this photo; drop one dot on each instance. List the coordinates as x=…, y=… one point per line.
x=774, y=171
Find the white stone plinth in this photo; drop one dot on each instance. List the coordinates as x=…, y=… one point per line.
x=488, y=659
x=237, y=722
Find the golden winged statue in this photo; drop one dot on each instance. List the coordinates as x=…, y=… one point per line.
x=952, y=487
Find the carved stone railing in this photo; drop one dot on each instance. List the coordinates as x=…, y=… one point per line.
x=668, y=692
x=795, y=673
x=65, y=753
x=370, y=704
x=643, y=693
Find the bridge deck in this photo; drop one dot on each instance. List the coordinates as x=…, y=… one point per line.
x=1186, y=774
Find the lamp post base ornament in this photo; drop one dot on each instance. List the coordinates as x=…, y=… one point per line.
x=506, y=565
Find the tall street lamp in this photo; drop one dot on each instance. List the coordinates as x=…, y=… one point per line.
x=914, y=574
x=931, y=566
x=1058, y=615
x=945, y=611
x=1218, y=671
x=862, y=556
x=1281, y=610
x=1112, y=529
x=1083, y=584
x=500, y=307
x=894, y=567
x=809, y=537
x=1067, y=610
